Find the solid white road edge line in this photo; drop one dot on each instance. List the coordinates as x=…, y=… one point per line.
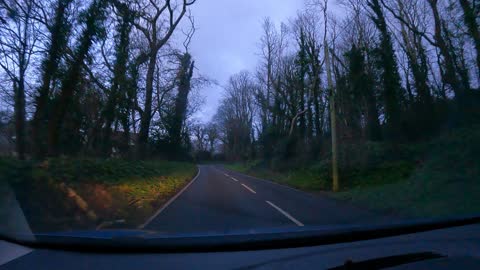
x=285, y=214
x=159, y=211
x=247, y=187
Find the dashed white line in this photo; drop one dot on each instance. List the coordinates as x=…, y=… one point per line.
x=247, y=187
x=231, y=177
x=285, y=214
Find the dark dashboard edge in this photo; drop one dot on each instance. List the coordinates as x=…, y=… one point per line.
x=237, y=242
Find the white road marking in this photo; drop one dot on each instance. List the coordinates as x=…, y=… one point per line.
x=286, y=214
x=273, y=183
x=231, y=177
x=247, y=187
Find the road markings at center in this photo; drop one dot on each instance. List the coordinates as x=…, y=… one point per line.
x=247, y=187
x=285, y=214
x=231, y=177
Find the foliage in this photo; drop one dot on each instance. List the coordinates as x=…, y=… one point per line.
x=450, y=168
x=390, y=96
x=112, y=189
x=415, y=180
x=83, y=84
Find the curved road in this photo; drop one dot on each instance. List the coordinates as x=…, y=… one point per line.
x=222, y=201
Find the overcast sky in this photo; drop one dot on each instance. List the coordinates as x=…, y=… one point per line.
x=227, y=39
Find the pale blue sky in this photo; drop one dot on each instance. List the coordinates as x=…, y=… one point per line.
x=227, y=39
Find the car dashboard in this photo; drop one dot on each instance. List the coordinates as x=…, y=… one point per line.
x=450, y=248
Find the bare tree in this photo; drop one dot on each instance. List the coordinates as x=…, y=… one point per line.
x=268, y=46
x=212, y=136
x=200, y=134
x=448, y=70
x=236, y=114
x=470, y=17
x=18, y=37
x=157, y=22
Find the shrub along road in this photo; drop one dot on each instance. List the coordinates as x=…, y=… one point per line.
x=221, y=201
x=87, y=194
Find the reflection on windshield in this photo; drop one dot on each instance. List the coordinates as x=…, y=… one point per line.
x=204, y=117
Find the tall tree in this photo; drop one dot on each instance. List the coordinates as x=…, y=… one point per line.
x=301, y=73
x=449, y=71
x=235, y=116
x=361, y=85
x=184, y=77
x=157, y=23
x=470, y=16
x=93, y=18
x=410, y=14
x=18, y=37
x=390, y=75
x=59, y=31
x=265, y=74
x=313, y=51
x=212, y=136
x=118, y=93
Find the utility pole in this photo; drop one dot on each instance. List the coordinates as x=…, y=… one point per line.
x=333, y=124
x=333, y=115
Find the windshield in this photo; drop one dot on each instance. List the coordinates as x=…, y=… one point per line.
x=211, y=116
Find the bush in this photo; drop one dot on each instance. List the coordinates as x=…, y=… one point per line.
x=110, y=189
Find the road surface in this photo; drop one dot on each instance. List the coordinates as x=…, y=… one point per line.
x=222, y=201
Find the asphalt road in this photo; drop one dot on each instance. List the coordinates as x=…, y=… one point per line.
x=221, y=201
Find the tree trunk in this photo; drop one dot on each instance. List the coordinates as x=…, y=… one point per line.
x=449, y=74
x=20, y=139
x=181, y=102
x=147, y=111
x=390, y=75
x=59, y=33
x=70, y=83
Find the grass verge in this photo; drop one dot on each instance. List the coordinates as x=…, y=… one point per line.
x=434, y=179
x=73, y=194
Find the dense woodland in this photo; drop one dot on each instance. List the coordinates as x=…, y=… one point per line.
x=386, y=71
x=97, y=78
x=109, y=78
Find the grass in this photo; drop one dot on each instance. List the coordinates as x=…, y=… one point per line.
x=317, y=176
x=305, y=179
x=434, y=179
x=72, y=194
x=445, y=184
